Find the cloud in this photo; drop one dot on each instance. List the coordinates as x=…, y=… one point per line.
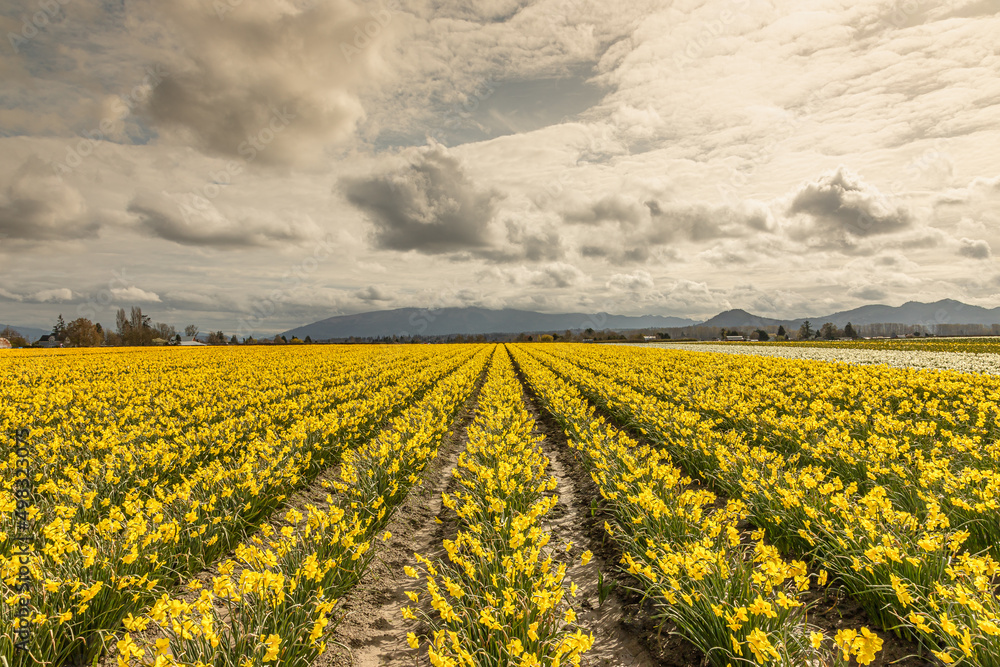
x=431, y=206
x=867, y=292
x=978, y=188
x=373, y=293
x=52, y=295
x=266, y=72
x=631, y=282
x=976, y=249
x=558, y=275
x=840, y=204
x=525, y=242
x=699, y=222
x=614, y=208
x=133, y=294
x=37, y=206
x=163, y=217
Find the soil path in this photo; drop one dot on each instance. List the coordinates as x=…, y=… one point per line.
x=624, y=633
x=833, y=609
x=373, y=632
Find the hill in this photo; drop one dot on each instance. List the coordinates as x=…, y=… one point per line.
x=466, y=321
x=445, y=321
x=31, y=333
x=740, y=318
x=946, y=311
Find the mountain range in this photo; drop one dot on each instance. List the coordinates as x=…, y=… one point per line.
x=447, y=321
x=946, y=311
x=30, y=333
x=465, y=321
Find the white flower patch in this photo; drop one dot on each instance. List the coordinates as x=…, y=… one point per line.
x=964, y=362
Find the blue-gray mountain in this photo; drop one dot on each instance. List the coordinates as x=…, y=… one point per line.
x=447, y=321
x=31, y=333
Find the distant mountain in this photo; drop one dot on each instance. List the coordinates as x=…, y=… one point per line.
x=946, y=311
x=446, y=321
x=31, y=333
x=740, y=318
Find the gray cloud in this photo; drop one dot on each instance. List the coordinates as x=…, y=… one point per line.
x=37, y=206
x=867, y=292
x=524, y=243
x=163, y=218
x=702, y=222
x=558, y=275
x=266, y=73
x=431, y=206
x=614, y=208
x=974, y=248
x=637, y=281
x=839, y=202
x=373, y=293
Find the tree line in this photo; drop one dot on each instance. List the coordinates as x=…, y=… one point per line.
x=133, y=328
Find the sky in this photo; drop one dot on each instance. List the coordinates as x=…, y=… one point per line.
x=252, y=165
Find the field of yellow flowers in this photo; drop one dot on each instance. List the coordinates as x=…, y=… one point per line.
x=147, y=514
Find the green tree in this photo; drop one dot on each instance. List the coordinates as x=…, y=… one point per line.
x=546, y=338
x=849, y=331
x=59, y=329
x=781, y=331
x=828, y=331
x=805, y=331
x=762, y=335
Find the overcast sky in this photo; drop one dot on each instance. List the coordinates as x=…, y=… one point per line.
x=276, y=162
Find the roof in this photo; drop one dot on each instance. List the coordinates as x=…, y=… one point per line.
x=191, y=342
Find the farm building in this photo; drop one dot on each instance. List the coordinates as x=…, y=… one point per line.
x=48, y=340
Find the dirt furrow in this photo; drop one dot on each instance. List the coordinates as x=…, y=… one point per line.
x=373, y=632
x=832, y=608
x=624, y=632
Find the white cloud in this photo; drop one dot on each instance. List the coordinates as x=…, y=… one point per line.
x=636, y=281
x=133, y=294
x=53, y=295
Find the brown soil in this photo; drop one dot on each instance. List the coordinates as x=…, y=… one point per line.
x=832, y=608
x=624, y=631
x=373, y=632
